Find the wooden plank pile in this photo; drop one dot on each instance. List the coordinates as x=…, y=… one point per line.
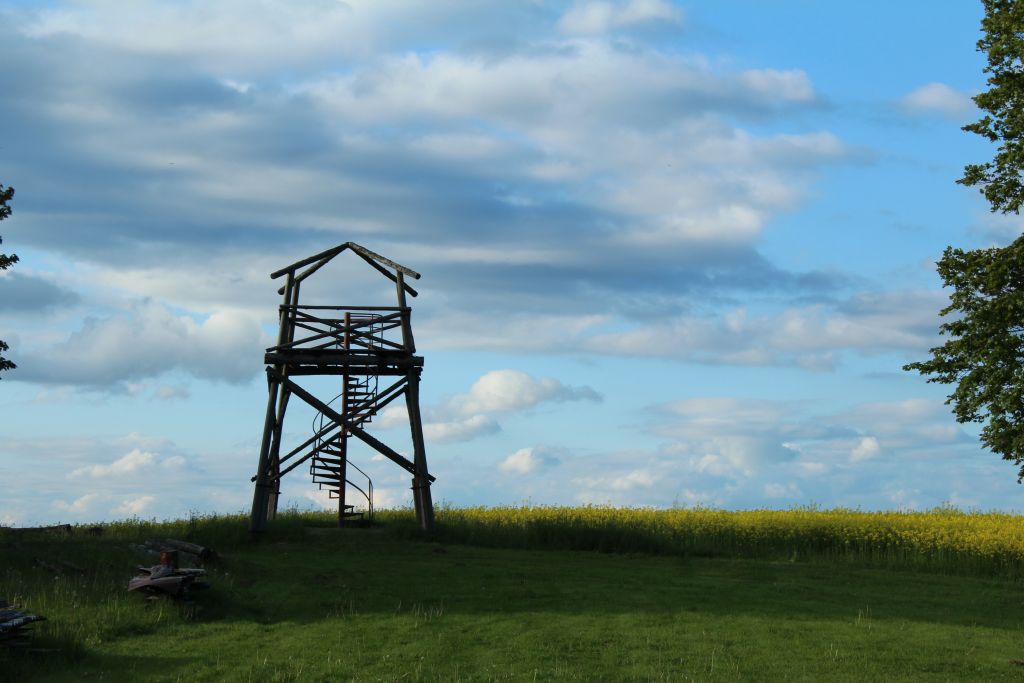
x=14, y=624
x=168, y=578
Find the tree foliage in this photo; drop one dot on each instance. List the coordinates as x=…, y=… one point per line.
x=984, y=355
x=6, y=194
x=1003, y=42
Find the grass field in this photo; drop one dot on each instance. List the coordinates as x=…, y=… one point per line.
x=520, y=595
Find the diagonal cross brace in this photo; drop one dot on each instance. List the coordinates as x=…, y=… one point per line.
x=355, y=431
x=388, y=395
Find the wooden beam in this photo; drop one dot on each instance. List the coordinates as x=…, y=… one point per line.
x=357, y=432
x=383, y=399
x=349, y=308
x=303, y=356
x=326, y=254
x=261, y=493
x=337, y=331
x=386, y=451
x=358, y=248
x=337, y=370
x=309, y=271
x=385, y=272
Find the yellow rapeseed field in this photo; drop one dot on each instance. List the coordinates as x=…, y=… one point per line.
x=944, y=538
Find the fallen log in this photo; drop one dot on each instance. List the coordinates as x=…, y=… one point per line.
x=197, y=550
x=161, y=544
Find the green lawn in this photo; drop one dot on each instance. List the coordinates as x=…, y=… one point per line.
x=364, y=604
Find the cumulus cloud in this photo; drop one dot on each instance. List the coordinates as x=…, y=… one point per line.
x=579, y=189
x=808, y=336
x=633, y=479
x=555, y=172
x=461, y=429
x=130, y=462
x=528, y=460
x=102, y=473
x=725, y=451
x=499, y=392
x=79, y=505
x=502, y=391
x=937, y=98
x=134, y=506
x=241, y=38
x=735, y=442
x=147, y=342
x=440, y=426
x=866, y=449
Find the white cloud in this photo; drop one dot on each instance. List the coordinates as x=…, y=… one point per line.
x=231, y=33
x=395, y=415
x=596, y=18
x=634, y=479
x=499, y=392
x=243, y=38
x=628, y=487
x=460, y=429
x=502, y=391
x=710, y=415
x=866, y=449
x=79, y=505
x=384, y=498
x=132, y=461
x=806, y=336
x=173, y=462
x=938, y=98
x=627, y=131
x=134, y=506
x=644, y=146
x=147, y=342
x=738, y=456
x=527, y=461
x=99, y=482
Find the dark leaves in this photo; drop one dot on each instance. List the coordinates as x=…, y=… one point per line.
x=6, y=194
x=984, y=355
x=1003, y=42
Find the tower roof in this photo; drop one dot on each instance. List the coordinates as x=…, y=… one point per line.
x=380, y=263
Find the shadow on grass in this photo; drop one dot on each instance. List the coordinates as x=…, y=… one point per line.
x=31, y=665
x=353, y=572
x=299, y=574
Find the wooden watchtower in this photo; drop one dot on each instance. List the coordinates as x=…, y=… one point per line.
x=371, y=349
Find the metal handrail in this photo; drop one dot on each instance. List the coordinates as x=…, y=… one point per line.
x=367, y=496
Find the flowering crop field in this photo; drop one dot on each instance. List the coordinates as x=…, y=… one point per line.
x=944, y=539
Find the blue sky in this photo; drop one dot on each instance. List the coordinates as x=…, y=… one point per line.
x=672, y=253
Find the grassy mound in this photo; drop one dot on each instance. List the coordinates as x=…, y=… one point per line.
x=311, y=603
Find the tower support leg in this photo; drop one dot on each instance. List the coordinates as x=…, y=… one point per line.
x=264, y=487
x=274, y=458
x=421, y=482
